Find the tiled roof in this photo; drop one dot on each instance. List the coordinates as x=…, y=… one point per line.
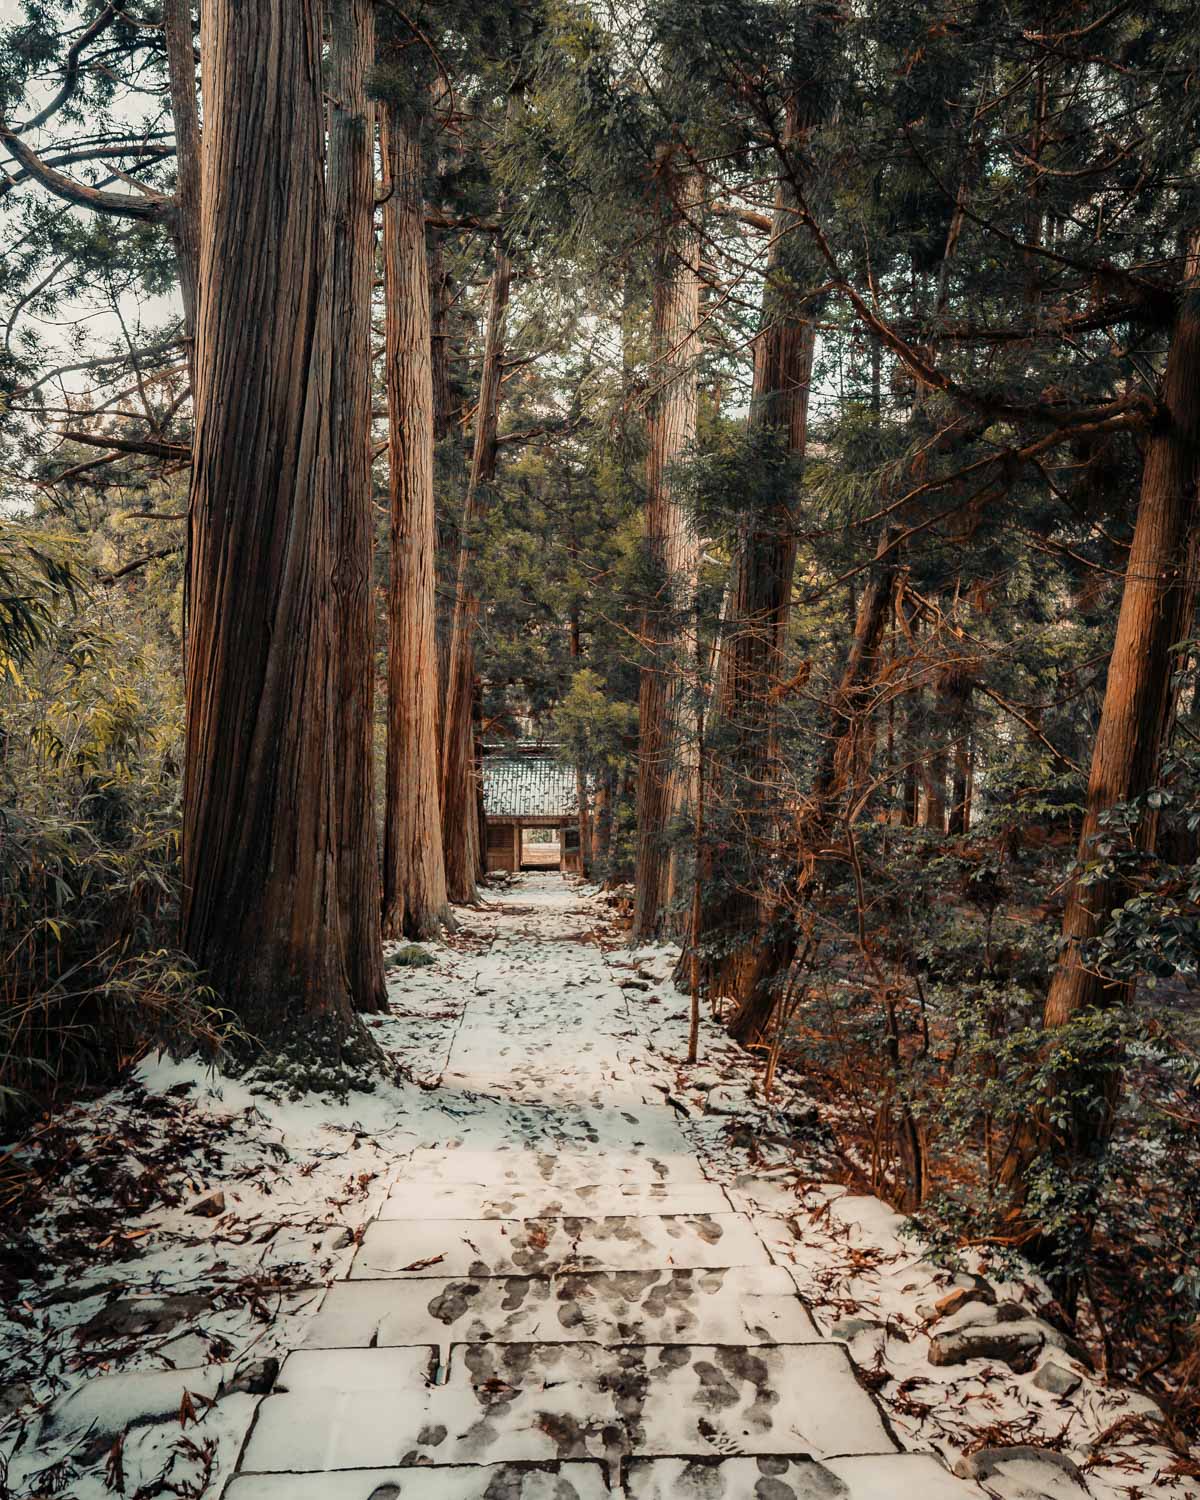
x=521, y=784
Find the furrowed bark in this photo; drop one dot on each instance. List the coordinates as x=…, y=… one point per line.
x=460, y=821
x=260, y=905
x=672, y=550
x=415, y=903
x=840, y=761
x=602, y=820
x=351, y=179
x=445, y=554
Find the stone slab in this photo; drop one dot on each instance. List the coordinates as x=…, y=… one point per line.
x=779, y=1477
x=902, y=1476
x=744, y=1305
x=469, y=1200
x=571, y=1481
x=503, y=1168
x=546, y=1247
x=893, y=1476
x=513, y=1403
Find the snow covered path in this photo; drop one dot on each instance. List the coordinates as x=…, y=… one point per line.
x=557, y=1301
x=544, y=1259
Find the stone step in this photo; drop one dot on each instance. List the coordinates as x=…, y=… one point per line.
x=535, y=1403
x=554, y=1246
x=571, y=1481
x=545, y=1200
x=534, y=1168
x=548, y=1082
x=902, y=1476
x=744, y=1305
x=894, y=1476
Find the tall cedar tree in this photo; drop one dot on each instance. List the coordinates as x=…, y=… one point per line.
x=261, y=909
x=460, y=777
x=351, y=179
x=672, y=548
x=415, y=903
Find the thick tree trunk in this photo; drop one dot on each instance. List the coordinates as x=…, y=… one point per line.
x=746, y=706
x=446, y=553
x=261, y=904
x=935, y=764
x=185, y=222
x=460, y=823
x=415, y=903
x=351, y=180
x=765, y=965
x=673, y=553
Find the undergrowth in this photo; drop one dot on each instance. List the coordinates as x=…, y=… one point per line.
x=90, y=735
x=930, y=1053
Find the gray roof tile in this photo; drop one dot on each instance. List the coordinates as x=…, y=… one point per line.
x=523, y=785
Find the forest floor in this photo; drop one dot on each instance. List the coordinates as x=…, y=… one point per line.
x=547, y=1261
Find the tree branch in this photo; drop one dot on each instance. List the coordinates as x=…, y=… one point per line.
x=152, y=207
x=115, y=151
x=1011, y=708
x=463, y=221
x=748, y=216
x=107, y=579
x=100, y=362
x=147, y=446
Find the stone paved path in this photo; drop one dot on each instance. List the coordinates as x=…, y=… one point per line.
x=556, y=1303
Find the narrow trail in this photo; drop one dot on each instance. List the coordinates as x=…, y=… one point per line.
x=562, y=1298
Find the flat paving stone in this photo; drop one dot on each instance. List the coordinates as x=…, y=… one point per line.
x=533, y=1168
x=549, y=1086
x=908, y=1476
x=901, y=1476
x=531, y=1247
x=743, y=1305
x=511, y=1403
x=779, y=1477
x=629, y=1130
x=571, y=1481
x=470, y=1200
